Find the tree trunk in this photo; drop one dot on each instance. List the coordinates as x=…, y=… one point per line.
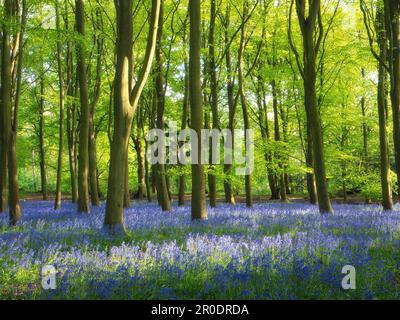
x=364, y=127
x=311, y=187
x=392, y=11
x=387, y=200
x=246, y=121
x=93, y=170
x=43, y=179
x=127, y=191
x=83, y=167
x=277, y=135
x=310, y=47
x=185, y=111
x=71, y=137
x=147, y=176
x=6, y=82
x=125, y=103
x=114, y=219
x=199, y=211
x=229, y=197
x=14, y=206
x=265, y=133
x=212, y=181
x=140, y=155
x=57, y=202
x=161, y=182
x=93, y=177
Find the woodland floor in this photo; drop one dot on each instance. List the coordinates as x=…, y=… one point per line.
x=272, y=251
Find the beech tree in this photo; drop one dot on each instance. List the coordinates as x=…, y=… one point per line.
x=125, y=104
x=199, y=211
x=308, y=67
x=83, y=171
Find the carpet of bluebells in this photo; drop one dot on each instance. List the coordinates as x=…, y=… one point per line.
x=272, y=251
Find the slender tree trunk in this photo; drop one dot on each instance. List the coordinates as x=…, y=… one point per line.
x=93, y=170
x=265, y=133
x=392, y=11
x=199, y=211
x=127, y=191
x=318, y=149
x=93, y=176
x=161, y=182
x=246, y=121
x=387, y=200
x=140, y=171
x=212, y=181
x=311, y=187
x=284, y=119
x=185, y=111
x=83, y=168
x=310, y=47
x=229, y=197
x=147, y=176
x=140, y=155
x=282, y=181
x=13, y=200
x=364, y=127
x=71, y=135
x=6, y=83
x=43, y=178
x=57, y=202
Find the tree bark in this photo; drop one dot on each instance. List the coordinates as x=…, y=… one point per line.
x=140, y=155
x=93, y=171
x=42, y=155
x=246, y=121
x=310, y=48
x=311, y=187
x=392, y=11
x=17, y=60
x=185, y=111
x=212, y=181
x=83, y=159
x=387, y=200
x=277, y=135
x=6, y=83
x=199, y=211
x=57, y=202
x=229, y=197
x=160, y=170
x=125, y=104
